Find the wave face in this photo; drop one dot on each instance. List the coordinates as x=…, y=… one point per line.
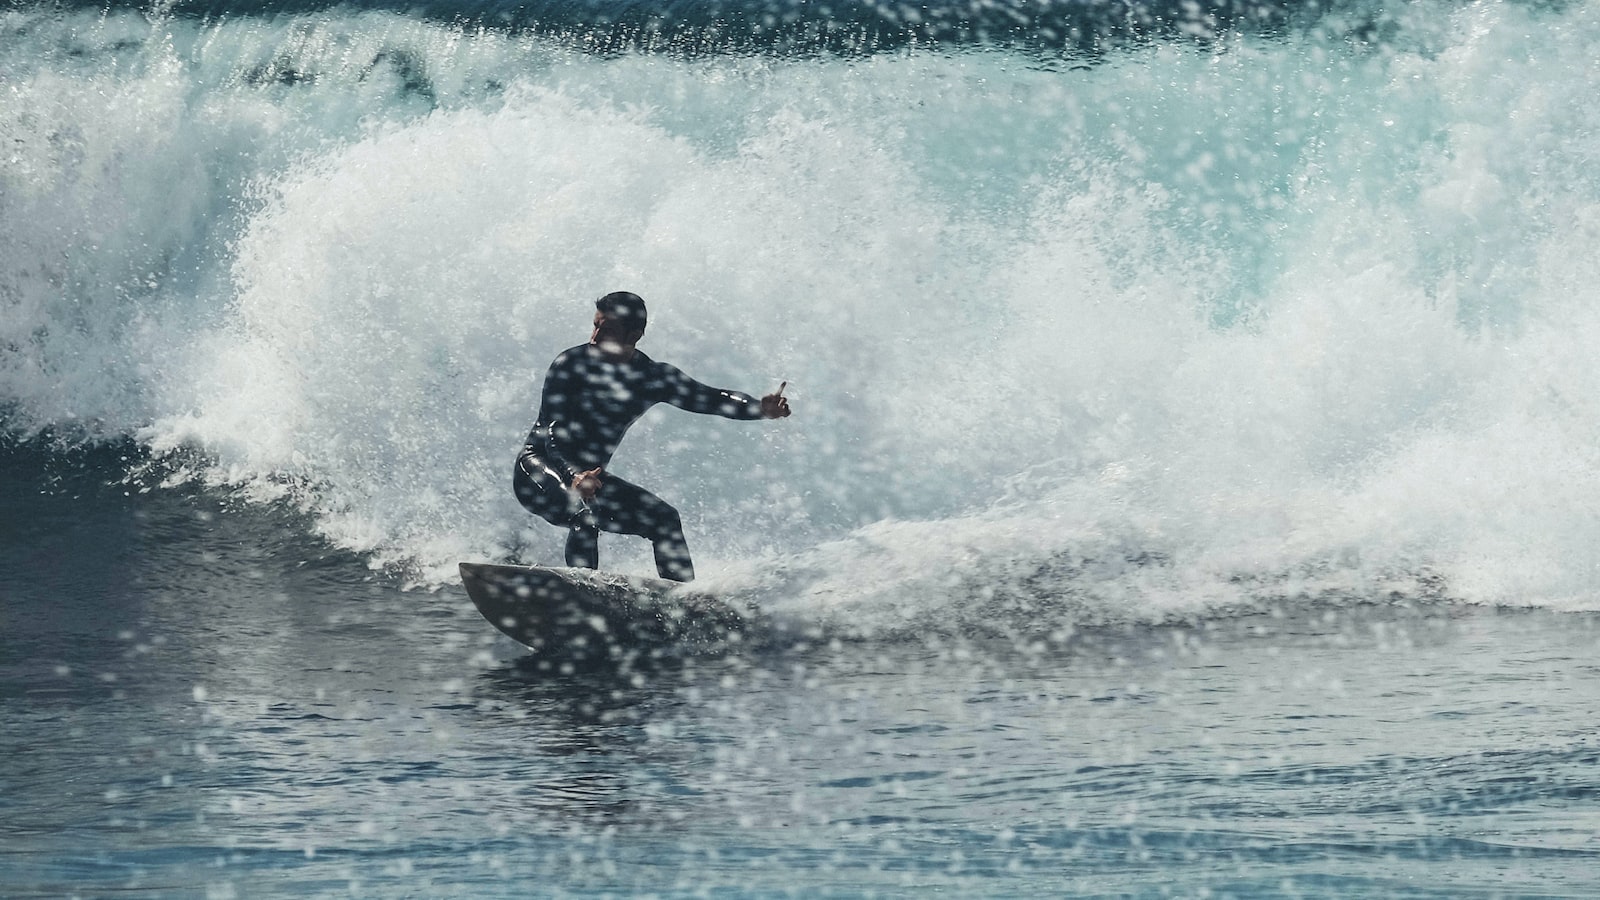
x=1300, y=313
x=1077, y=28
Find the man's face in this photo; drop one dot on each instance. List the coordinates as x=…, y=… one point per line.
x=613, y=337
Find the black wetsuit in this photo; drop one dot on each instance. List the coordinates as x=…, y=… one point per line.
x=588, y=404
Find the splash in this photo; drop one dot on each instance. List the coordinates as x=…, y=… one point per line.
x=1189, y=328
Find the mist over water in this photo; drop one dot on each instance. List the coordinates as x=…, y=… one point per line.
x=1194, y=325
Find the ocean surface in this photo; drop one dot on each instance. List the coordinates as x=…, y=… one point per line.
x=1191, y=491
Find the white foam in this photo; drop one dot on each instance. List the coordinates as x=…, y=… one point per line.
x=1177, y=332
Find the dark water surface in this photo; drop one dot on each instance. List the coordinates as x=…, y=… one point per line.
x=196, y=703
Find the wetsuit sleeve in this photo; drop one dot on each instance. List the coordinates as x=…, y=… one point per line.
x=678, y=389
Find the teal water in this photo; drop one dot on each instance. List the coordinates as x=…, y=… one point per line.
x=198, y=705
x=1190, y=489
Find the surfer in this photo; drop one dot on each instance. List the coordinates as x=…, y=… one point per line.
x=592, y=394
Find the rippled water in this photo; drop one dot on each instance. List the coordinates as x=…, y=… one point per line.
x=195, y=703
x=1190, y=490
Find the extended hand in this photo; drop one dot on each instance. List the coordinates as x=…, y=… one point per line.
x=773, y=405
x=587, y=484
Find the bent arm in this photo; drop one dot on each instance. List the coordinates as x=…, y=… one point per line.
x=542, y=443
x=555, y=408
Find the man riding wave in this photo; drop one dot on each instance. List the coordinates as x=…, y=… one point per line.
x=592, y=394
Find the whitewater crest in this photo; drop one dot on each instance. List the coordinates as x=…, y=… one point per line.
x=1189, y=329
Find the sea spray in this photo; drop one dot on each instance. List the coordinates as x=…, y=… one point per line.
x=1196, y=325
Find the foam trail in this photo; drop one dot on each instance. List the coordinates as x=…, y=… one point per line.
x=1184, y=330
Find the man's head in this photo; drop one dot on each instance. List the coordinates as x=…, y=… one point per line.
x=619, y=322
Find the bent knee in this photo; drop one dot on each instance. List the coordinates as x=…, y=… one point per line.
x=665, y=522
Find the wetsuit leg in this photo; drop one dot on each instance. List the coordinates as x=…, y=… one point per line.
x=583, y=542
x=541, y=492
x=622, y=507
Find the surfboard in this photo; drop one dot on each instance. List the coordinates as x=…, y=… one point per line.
x=583, y=612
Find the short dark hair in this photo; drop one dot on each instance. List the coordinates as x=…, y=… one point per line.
x=624, y=308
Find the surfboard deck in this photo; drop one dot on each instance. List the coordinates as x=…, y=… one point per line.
x=584, y=612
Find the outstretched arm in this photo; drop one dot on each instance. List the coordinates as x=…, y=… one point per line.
x=687, y=394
